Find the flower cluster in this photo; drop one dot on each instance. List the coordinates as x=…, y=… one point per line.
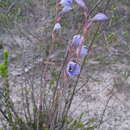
x=76, y=47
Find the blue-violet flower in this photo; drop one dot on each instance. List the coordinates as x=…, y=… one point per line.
x=83, y=51
x=99, y=17
x=73, y=68
x=76, y=40
x=66, y=2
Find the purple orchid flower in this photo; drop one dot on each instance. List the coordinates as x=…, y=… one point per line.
x=76, y=40
x=73, y=68
x=100, y=17
x=67, y=6
x=66, y=2
x=83, y=51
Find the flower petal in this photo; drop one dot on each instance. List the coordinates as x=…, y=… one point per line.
x=82, y=51
x=100, y=17
x=66, y=2
x=76, y=40
x=76, y=70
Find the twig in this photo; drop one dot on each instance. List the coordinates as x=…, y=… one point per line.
x=103, y=113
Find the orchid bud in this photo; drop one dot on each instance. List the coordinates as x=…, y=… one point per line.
x=66, y=2
x=57, y=27
x=81, y=3
x=83, y=51
x=76, y=40
x=99, y=17
x=73, y=68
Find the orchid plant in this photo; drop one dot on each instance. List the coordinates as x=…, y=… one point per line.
x=76, y=51
x=76, y=45
x=50, y=102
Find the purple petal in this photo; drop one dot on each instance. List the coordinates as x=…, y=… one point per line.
x=100, y=17
x=76, y=40
x=77, y=69
x=66, y=2
x=83, y=51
